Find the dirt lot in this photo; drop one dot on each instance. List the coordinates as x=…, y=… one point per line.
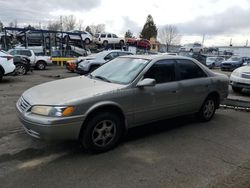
x=180, y=152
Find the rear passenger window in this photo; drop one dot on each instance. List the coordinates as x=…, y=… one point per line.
x=188, y=70
x=103, y=35
x=26, y=53
x=109, y=35
x=162, y=71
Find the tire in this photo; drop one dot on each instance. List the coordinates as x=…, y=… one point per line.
x=1, y=75
x=41, y=65
x=87, y=41
x=121, y=43
x=207, y=109
x=236, y=89
x=102, y=132
x=20, y=69
x=105, y=43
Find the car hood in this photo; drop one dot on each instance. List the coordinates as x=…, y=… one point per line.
x=68, y=91
x=244, y=69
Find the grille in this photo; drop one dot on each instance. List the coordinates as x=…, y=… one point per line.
x=227, y=64
x=245, y=75
x=23, y=104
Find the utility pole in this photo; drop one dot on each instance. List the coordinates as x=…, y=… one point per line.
x=61, y=35
x=203, y=39
x=247, y=42
x=231, y=40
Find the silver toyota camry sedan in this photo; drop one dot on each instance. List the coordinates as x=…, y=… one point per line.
x=126, y=92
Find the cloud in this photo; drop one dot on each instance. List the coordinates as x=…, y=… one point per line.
x=231, y=21
x=131, y=25
x=40, y=10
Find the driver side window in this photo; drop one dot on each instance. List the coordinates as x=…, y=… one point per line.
x=162, y=71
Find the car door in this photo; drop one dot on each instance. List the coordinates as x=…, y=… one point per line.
x=194, y=85
x=159, y=101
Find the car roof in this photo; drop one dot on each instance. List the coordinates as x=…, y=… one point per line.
x=157, y=57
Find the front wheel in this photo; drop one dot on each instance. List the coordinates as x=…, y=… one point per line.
x=21, y=69
x=207, y=109
x=102, y=132
x=1, y=75
x=87, y=41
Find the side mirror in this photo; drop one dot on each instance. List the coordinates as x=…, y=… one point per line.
x=147, y=82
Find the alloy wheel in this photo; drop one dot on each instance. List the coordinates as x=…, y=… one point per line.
x=104, y=133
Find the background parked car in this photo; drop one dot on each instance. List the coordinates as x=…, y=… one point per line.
x=92, y=62
x=78, y=35
x=108, y=38
x=22, y=64
x=71, y=65
x=39, y=62
x=240, y=78
x=140, y=43
x=233, y=63
x=33, y=37
x=143, y=43
x=195, y=47
x=6, y=64
x=212, y=62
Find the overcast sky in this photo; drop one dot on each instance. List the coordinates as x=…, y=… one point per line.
x=219, y=20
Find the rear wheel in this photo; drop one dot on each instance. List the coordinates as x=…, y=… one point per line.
x=40, y=65
x=121, y=43
x=207, y=109
x=236, y=89
x=105, y=43
x=102, y=132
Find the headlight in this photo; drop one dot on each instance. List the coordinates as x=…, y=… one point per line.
x=53, y=111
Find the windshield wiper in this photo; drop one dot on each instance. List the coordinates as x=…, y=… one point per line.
x=102, y=78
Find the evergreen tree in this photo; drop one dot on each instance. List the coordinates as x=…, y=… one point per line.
x=149, y=30
x=1, y=26
x=128, y=34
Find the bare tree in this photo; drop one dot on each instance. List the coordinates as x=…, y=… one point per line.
x=80, y=25
x=13, y=23
x=54, y=25
x=69, y=22
x=97, y=28
x=169, y=35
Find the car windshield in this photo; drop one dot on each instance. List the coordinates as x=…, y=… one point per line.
x=234, y=59
x=121, y=70
x=100, y=54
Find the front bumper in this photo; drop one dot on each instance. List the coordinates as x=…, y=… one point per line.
x=239, y=82
x=81, y=71
x=48, y=128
